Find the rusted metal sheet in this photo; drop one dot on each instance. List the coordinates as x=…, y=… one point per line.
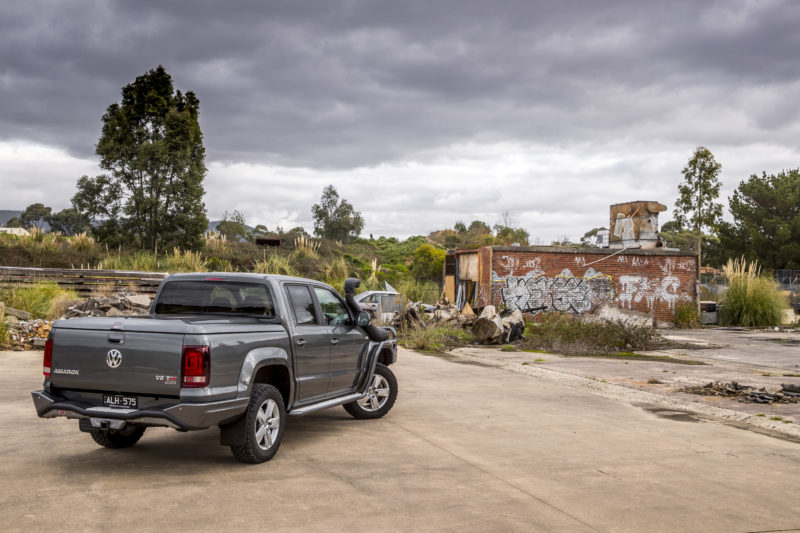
x=468, y=267
x=633, y=223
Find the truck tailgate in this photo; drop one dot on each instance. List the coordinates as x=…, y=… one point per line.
x=136, y=362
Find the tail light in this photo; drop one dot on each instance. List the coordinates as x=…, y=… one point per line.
x=196, y=367
x=48, y=358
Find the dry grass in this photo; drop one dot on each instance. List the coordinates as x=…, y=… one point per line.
x=306, y=245
x=752, y=300
x=274, y=263
x=216, y=242
x=185, y=261
x=82, y=242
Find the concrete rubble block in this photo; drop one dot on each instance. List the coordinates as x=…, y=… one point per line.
x=137, y=300
x=447, y=313
x=513, y=326
x=488, y=329
x=122, y=304
x=611, y=313
x=22, y=315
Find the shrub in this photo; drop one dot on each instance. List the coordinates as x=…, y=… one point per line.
x=752, y=300
x=565, y=334
x=41, y=300
x=686, y=315
x=215, y=264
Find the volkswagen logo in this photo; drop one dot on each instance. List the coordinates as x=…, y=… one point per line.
x=114, y=358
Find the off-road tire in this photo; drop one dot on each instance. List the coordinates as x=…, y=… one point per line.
x=124, y=438
x=267, y=402
x=376, y=403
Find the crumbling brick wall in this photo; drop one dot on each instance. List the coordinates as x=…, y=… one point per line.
x=579, y=280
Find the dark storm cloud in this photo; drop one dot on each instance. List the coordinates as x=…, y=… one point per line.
x=350, y=83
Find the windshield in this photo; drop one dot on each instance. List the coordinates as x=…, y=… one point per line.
x=212, y=296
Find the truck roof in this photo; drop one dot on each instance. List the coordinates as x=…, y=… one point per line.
x=236, y=276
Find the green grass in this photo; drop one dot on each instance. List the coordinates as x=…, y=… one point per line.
x=419, y=290
x=508, y=348
x=42, y=300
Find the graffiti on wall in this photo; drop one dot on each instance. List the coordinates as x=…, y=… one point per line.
x=666, y=289
x=565, y=293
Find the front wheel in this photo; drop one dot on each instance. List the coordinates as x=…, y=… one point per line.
x=264, y=421
x=380, y=397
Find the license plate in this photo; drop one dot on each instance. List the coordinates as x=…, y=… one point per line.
x=120, y=400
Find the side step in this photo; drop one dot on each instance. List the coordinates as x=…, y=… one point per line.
x=327, y=403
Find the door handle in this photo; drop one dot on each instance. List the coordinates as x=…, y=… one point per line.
x=300, y=342
x=334, y=341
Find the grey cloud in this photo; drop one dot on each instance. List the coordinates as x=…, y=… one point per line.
x=342, y=84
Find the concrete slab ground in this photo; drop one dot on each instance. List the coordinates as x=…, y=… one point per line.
x=467, y=447
x=754, y=358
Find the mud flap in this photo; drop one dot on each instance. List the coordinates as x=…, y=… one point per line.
x=232, y=434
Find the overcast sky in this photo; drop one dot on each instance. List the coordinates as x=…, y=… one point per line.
x=420, y=113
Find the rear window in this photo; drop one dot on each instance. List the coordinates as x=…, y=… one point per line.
x=227, y=297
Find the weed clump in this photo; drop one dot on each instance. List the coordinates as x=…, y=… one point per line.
x=752, y=300
x=565, y=334
x=686, y=316
x=436, y=339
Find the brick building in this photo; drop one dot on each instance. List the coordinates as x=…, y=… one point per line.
x=541, y=279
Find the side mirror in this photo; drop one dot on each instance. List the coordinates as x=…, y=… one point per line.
x=362, y=319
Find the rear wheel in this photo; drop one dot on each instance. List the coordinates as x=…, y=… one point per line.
x=265, y=420
x=122, y=438
x=380, y=397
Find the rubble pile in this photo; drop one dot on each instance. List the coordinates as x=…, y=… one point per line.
x=788, y=393
x=493, y=328
x=122, y=304
x=24, y=335
x=488, y=328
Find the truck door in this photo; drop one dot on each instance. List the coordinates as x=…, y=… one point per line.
x=311, y=345
x=346, y=340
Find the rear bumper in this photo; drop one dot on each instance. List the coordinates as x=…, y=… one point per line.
x=181, y=416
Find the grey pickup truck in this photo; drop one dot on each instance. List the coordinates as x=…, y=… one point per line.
x=238, y=351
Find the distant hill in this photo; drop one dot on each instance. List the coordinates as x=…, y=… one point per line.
x=8, y=214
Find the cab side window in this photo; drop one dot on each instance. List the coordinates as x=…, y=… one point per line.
x=333, y=308
x=302, y=304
